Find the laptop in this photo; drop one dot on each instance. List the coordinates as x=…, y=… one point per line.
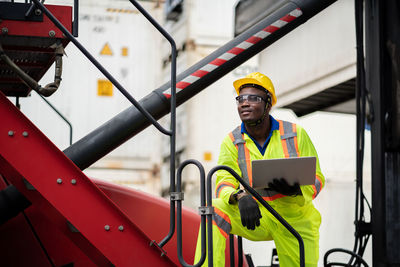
x=300, y=170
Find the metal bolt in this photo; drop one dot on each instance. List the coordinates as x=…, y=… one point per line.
x=73, y=181
x=10, y=133
x=25, y=134
x=121, y=228
x=59, y=181
x=4, y=30
x=52, y=33
x=107, y=227
x=38, y=12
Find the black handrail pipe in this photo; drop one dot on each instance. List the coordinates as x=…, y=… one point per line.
x=75, y=22
x=173, y=117
x=203, y=215
x=61, y=115
x=203, y=212
x=239, y=249
x=232, y=249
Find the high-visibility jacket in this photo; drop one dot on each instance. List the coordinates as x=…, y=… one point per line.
x=238, y=150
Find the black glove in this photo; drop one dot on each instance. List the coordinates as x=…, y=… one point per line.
x=281, y=186
x=249, y=212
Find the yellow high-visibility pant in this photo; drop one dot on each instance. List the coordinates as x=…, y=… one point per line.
x=305, y=220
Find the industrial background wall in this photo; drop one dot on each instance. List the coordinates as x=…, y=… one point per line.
x=317, y=56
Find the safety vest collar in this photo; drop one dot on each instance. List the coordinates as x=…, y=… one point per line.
x=274, y=127
x=288, y=133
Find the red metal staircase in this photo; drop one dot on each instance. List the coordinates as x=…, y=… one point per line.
x=68, y=201
x=70, y=221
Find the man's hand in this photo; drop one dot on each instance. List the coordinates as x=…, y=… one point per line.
x=249, y=212
x=281, y=186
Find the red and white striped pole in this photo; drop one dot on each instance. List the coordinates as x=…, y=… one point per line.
x=236, y=50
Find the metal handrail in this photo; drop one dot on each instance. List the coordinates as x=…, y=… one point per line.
x=240, y=251
x=232, y=250
x=202, y=214
x=261, y=200
x=173, y=117
x=62, y=117
x=76, y=18
x=101, y=68
x=207, y=211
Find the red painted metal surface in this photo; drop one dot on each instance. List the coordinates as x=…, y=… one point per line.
x=64, y=194
x=20, y=247
x=151, y=215
x=41, y=29
x=11, y=247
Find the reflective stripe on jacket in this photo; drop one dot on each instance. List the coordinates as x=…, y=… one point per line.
x=238, y=150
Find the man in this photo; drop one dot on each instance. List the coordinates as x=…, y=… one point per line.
x=236, y=212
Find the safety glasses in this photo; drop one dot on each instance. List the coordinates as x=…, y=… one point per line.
x=251, y=99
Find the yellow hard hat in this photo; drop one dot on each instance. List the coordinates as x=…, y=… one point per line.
x=259, y=79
